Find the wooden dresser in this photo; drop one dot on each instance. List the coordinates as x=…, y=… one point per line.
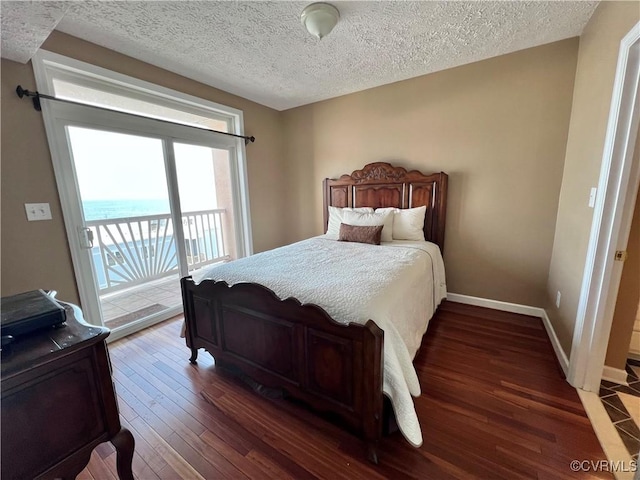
x=59, y=403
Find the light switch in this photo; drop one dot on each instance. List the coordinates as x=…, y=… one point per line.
x=38, y=211
x=592, y=197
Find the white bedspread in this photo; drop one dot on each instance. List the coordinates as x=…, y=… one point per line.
x=398, y=285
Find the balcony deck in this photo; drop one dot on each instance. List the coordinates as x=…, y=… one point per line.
x=136, y=260
x=126, y=306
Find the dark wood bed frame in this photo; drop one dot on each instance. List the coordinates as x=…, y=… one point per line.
x=300, y=348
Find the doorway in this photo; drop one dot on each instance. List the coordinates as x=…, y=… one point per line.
x=152, y=183
x=121, y=181
x=124, y=195
x=618, y=184
x=145, y=209
x=624, y=338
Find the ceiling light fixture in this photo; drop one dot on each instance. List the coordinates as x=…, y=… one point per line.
x=320, y=18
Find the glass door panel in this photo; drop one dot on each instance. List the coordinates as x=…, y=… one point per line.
x=206, y=202
x=123, y=190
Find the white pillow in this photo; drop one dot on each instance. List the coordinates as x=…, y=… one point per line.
x=335, y=218
x=372, y=219
x=408, y=223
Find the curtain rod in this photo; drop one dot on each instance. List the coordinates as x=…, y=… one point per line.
x=36, y=96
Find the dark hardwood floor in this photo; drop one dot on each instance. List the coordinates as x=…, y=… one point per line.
x=493, y=405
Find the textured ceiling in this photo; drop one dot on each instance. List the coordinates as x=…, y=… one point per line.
x=25, y=25
x=260, y=50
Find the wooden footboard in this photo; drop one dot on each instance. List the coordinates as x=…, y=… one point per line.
x=299, y=348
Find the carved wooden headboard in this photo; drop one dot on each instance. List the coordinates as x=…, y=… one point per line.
x=381, y=184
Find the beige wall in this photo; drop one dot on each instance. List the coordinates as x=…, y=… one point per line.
x=497, y=127
x=624, y=315
x=597, y=57
x=35, y=254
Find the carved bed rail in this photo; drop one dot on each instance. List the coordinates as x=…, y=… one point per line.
x=299, y=348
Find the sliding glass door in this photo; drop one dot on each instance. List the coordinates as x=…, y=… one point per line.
x=206, y=202
x=124, y=196
x=145, y=203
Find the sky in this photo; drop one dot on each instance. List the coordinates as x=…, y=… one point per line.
x=116, y=166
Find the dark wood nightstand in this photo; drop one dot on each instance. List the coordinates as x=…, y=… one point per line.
x=59, y=403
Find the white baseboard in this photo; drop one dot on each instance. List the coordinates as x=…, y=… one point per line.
x=562, y=356
x=633, y=356
x=635, y=342
x=523, y=310
x=495, y=304
x=615, y=375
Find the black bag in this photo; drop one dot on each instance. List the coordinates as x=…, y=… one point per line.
x=26, y=312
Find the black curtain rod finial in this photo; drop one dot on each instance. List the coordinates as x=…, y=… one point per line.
x=35, y=97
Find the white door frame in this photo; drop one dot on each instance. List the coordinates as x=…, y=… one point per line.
x=617, y=187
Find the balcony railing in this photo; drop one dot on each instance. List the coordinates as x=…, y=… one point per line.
x=135, y=250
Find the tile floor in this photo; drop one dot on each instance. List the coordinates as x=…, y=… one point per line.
x=134, y=303
x=622, y=404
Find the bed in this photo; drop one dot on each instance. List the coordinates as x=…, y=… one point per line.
x=341, y=356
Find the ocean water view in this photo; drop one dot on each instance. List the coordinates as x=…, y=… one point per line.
x=106, y=209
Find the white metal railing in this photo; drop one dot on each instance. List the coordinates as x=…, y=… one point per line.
x=134, y=250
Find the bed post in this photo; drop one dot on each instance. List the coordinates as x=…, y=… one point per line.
x=184, y=284
x=373, y=408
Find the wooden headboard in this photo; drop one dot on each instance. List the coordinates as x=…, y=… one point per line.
x=381, y=184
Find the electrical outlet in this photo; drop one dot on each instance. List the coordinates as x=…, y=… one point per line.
x=558, y=297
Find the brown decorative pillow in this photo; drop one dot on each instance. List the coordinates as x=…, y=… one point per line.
x=360, y=234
